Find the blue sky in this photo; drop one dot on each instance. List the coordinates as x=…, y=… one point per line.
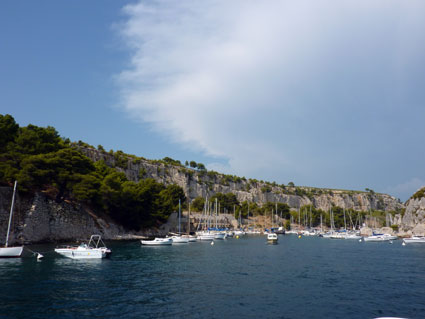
x=321, y=93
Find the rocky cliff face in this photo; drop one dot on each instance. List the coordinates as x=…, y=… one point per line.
x=203, y=184
x=40, y=219
x=413, y=219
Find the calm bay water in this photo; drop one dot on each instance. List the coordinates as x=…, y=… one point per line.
x=236, y=278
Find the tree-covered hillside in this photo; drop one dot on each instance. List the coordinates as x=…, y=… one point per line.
x=43, y=161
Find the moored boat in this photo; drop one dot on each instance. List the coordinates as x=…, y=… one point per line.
x=353, y=236
x=180, y=239
x=11, y=252
x=414, y=240
x=206, y=236
x=380, y=237
x=272, y=238
x=158, y=242
x=95, y=249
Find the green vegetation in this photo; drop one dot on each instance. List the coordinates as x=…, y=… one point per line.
x=42, y=161
x=198, y=204
x=419, y=194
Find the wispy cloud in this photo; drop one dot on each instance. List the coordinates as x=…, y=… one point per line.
x=280, y=89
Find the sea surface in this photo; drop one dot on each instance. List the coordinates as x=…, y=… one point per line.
x=236, y=278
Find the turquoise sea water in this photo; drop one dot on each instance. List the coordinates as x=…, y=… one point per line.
x=236, y=278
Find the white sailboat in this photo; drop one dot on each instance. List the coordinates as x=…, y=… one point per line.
x=11, y=252
x=179, y=239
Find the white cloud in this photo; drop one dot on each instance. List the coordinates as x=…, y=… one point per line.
x=275, y=87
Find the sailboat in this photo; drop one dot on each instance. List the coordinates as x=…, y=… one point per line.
x=271, y=236
x=11, y=252
x=178, y=239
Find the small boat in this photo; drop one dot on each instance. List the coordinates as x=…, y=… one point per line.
x=191, y=238
x=180, y=240
x=353, y=236
x=95, y=249
x=272, y=238
x=11, y=252
x=239, y=233
x=229, y=234
x=158, y=242
x=206, y=236
x=414, y=240
x=280, y=231
x=380, y=237
x=220, y=235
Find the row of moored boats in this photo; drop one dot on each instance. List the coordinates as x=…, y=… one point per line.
x=356, y=235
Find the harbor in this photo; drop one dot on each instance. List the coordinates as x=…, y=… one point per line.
x=298, y=278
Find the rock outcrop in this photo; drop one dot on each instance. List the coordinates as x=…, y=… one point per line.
x=412, y=222
x=37, y=218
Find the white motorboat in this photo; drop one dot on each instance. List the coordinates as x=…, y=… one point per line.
x=220, y=235
x=206, y=236
x=191, y=238
x=229, y=234
x=180, y=240
x=337, y=235
x=272, y=238
x=353, y=236
x=95, y=249
x=328, y=235
x=158, y=242
x=414, y=240
x=11, y=252
x=239, y=233
x=380, y=237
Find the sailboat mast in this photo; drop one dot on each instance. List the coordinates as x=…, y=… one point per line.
x=299, y=218
x=216, y=213
x=11, y=213
x=188, y=219
x=180, y=213
x=310, y=216
x=248, y=215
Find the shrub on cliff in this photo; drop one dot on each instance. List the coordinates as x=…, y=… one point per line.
x=419, y=194
x=42, y=161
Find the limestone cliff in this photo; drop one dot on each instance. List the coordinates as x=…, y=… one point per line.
x=38, y=218
x=202, y=183
x=413, y=219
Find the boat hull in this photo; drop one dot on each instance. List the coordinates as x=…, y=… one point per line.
x=206, y=237
x=11, y=252
x=96, y=253
x=379, y=238
x=220, y=236
x=158, y=242
x=414, y=240
x=180, y=240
